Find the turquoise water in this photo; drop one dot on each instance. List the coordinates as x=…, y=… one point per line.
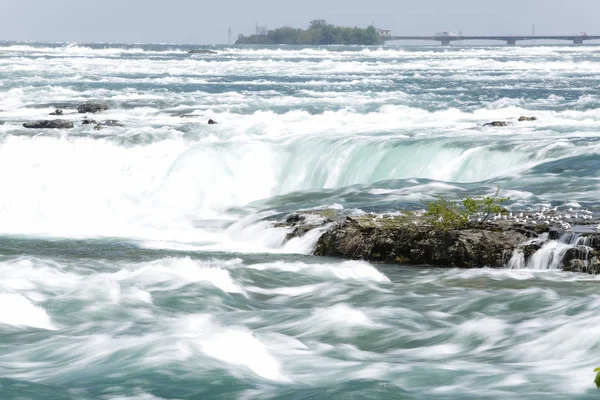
x=136, y=262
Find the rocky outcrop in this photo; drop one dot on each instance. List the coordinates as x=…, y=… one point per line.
x=58, y=111
x=523, y=118
x=212, y=122
x=49, y=124
x=584, y=256
x=392, y=242
x=410, y=240
x=496, y=123
x=92, y=108
x=88, y=121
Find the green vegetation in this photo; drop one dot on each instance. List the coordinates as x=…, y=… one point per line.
x=318, y=33
x=597, y=380
x=445, y=214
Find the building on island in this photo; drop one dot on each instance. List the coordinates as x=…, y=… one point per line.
x=384, y=32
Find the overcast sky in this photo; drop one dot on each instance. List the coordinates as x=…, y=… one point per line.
x=207, y=22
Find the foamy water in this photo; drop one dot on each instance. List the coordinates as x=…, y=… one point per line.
x=137, y=262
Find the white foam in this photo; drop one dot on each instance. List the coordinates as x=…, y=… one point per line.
x=177, y=272
x=18, y=311
x=290, y=291
x=235, y=346
x=341, y=315
x=348, y=270
x=157, y=177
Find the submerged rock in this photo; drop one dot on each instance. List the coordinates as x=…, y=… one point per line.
x=111, y=122
x=212, y=122
x=92, y=108
x=202, y=51
x=49, y=124
x=303, y=222
x=58, y=111
x=87, y=121
x=523, y=118
x=189, y=116
x=496, y=123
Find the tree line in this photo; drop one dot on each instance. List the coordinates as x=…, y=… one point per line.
x=319, y=32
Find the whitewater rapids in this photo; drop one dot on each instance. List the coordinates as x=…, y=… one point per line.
x=136, y=262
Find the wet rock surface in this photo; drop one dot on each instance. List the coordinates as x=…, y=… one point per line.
x=88, y=121
x=202, y=51
x=364, y=238
x=111, y=122
x=401, y=240
x=92, y=108
x=496, y=123
x=49, y=124
x=524, y=118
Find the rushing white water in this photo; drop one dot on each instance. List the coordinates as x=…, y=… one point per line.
x=136, y=262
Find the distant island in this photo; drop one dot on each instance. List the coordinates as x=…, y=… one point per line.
x=319, y=32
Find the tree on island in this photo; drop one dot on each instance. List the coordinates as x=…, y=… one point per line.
x=319, y=32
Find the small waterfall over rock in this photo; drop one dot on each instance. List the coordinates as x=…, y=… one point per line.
x=567, y=247
x=517, y=261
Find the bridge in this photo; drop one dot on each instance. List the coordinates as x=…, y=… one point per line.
x=510, y=40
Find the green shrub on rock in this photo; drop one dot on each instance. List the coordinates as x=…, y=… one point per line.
x=445, y=214
x=484, y=206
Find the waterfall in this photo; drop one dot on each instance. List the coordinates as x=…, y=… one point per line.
x=550, y=256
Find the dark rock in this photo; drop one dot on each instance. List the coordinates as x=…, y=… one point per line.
x=212, y=122
x=298, y=231
x=92, y=108
x=576, y=265
x=303, y=222
x=294, y=219
x=523, y=118
x=49, y=124
x=58, y=111
x=578, y=253
x=111, y=122
x=409, y=239
x=87, y=121
x=189, y=116
x=496, y=123
x=202, y=51
x=582, y=259
x=592, y=241
x=555, y=234
x=358, y=238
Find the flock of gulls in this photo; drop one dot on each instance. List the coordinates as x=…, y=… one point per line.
x=550, y=216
